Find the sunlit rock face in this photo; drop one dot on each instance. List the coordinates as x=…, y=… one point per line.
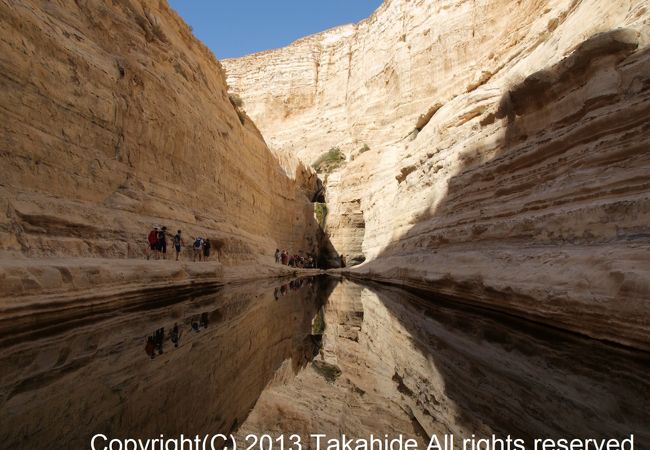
x=63, y=382
x=418, y=366
x=506, y=159
x=305, y=356
x=114, y=118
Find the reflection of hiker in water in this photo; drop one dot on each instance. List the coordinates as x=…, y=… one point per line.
x=175, y=335
x=276, y=293
x=160, y=337
x=195, y=325
x=283, y=289
x=150, y=347
x=204, y=320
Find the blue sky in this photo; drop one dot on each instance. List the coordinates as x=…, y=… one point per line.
x=238, y=27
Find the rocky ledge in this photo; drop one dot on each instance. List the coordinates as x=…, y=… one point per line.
x=495, y=153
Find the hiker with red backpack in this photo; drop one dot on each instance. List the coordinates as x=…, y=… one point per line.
x=153, y=243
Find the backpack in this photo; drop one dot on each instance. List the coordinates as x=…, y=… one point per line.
x=198, y=243
x=153, y=237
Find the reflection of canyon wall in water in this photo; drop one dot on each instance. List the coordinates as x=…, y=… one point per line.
x=387, y=362
x=113, y=118
x=507, y=156
x=412, y=368
x=56, y=391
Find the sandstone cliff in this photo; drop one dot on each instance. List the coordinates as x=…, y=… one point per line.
x=115, y=118
x=497, y=152
x=62, y=384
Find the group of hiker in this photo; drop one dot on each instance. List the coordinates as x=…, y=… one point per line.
x=293, y=285
x=154, y=342
x=158, y=245
x=201, y=249
x=283, y=257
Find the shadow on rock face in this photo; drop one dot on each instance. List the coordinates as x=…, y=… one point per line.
x=489, y=373
x=414, y=364
x=566, y=173
x=101, y=375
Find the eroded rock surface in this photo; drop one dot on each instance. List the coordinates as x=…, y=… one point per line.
x=114, y=118
x=413, y=366
x=496, y=152
x=60, y=385
x=308, y=356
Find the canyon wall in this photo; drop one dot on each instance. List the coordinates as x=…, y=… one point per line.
x=405, y=366
x=496, y=151
x=62, y=384
x=115, y=118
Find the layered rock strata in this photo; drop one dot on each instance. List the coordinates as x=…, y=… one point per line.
x=408, y=367
x=114, y=118
x=496, y=153
x=59, y=387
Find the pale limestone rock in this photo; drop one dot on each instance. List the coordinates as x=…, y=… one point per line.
x=508, y=161
x=422, y=369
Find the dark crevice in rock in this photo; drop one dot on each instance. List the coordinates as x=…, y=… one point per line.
x=425, y=118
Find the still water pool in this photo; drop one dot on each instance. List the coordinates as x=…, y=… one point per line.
x=313, y=355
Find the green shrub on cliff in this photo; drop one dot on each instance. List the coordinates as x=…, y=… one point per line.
x=236, y=100
x=329, y=161
x=318, y=323
x=328, y=371
x=238, y=104
x=320, y=211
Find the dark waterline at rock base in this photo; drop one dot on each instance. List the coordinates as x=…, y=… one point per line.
x=316, y=355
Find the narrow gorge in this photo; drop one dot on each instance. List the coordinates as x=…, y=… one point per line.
x=115, y=118
x=494, y=153
x=471, y=179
